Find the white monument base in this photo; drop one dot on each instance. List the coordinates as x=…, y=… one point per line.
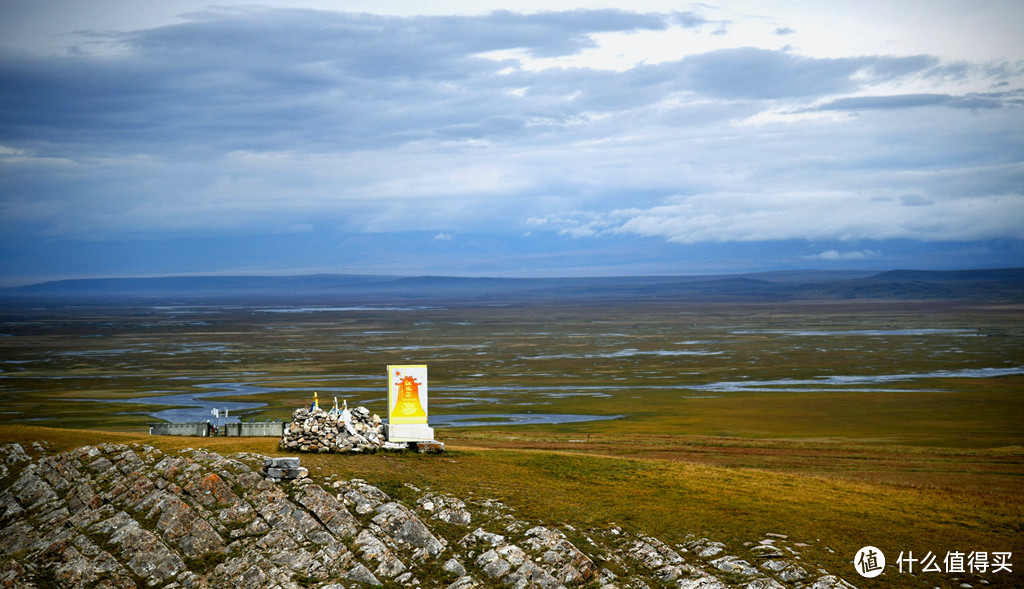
x=409, y=432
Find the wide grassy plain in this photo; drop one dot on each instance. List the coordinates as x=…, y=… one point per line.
x=841, y=424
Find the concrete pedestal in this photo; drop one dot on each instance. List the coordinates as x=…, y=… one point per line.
x=409, y=432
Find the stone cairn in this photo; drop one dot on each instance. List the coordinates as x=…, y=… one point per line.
x=322, y=431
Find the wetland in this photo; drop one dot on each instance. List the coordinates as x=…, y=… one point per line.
x=891, y=423
x=908, y=373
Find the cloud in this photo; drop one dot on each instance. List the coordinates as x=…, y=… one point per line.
x=784, y=31
x=810, y=216
x=255, y=78
x=753, y=73
x=298, y=79
x=835, y=255
x=904, y=101
x=915, y=200
x=253, y=121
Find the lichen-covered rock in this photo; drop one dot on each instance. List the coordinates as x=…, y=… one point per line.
x=329, y=511
x=405, y=528
x=452, y=565
x=120, y=516
x=446, y=508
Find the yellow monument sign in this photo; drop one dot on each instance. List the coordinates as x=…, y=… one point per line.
x=407, y=403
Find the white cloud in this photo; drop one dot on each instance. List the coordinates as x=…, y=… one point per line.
x=775, y=217
x=834, y=255
x=590, y=124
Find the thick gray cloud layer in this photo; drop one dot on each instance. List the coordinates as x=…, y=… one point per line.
x=259, y=121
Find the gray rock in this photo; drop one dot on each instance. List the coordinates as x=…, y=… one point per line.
x=452, y=565
x=492, y=564
x=654, y=553
x=331, y=513
x=370, y=546
x=13, y=453
x=464, y=582
x=446, y=508
x=362, y=574
x=732, y=564
x=764, y=583
x=459, y=517
x=253, y=578
x=373, y=548
x=831, y=582
x=296, y=559
x=767, y=551
x=284, y=462
x=479, y=535
x=711, y=549
x=703, y=582
x=530, y=574
x=513, y=554
x=390, y=565
x=786, y=571
x=404, y=527
x=145, y=554
x=286, y=473
x=32, y=492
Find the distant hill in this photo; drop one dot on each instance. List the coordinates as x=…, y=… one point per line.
x=977, y=285
x=988, y=285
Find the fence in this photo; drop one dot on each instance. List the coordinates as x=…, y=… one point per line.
x=266, y=429
x=178, y=429
x=201, y=429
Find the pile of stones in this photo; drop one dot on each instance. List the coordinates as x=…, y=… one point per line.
x=289, y=468
x=133, y=517
x=354, y=430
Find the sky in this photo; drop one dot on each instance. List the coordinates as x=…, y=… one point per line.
x=508, y=139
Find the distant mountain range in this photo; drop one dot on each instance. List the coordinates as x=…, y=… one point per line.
x=977, y=285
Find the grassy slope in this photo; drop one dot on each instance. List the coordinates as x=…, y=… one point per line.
x=669, y=498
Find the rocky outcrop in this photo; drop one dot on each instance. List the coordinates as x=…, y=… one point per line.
x=120, y=516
